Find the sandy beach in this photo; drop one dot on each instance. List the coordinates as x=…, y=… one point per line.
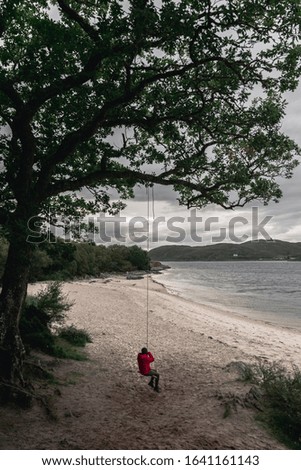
x=104, y=403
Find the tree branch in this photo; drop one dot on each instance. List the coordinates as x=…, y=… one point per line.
x=74, y=16
x=6, y=86
x=64, y=85
x=71, y=141
x=127, y=174
x=6, y=118
x=95, y=60
x=3, y=216
x=124, y=174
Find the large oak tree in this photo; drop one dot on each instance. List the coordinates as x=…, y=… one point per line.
x=177, y=79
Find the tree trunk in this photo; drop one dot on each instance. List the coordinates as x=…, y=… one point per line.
x=14, y=290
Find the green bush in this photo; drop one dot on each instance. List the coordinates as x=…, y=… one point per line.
x=34, y=329
x=247, y=372
x=138, y=258
x=41, y=317
x=75, y=336
x=53, y=303
x=63, y=350
x=280, y=399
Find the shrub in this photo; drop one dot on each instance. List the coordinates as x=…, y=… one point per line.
x=75, y=336
x=64, y=350
x=138, y=258
x=40, y=314
x=53, y=303
x=247, y=372
x=34, y=329
x=280, y=399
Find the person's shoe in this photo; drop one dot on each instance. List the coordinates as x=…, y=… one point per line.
x=157, y=389
x=151, y=384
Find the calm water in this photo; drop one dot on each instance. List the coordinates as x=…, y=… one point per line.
x=265, y=290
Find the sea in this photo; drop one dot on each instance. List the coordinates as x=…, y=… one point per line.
x=269, y=291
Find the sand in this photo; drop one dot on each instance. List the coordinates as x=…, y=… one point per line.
x=104, y=403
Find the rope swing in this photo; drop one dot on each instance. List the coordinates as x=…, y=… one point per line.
x=149, y=201
x=145, y=358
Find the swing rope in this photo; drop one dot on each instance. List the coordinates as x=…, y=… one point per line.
x=148, y=247
x=147, y=275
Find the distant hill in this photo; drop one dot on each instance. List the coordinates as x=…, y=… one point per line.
x=252, y=250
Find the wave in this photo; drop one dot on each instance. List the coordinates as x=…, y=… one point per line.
x=254, y=290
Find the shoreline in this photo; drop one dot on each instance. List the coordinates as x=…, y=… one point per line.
x=280, y=343
x=226, y=310
x=104, y=403
x=240, y=320
x=272, y=308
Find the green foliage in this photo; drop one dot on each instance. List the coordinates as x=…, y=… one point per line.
x=61, y=261
x=39, y=325
x=61, y=256
x=3, y=254
x=248, y=372
x=35, y=329
x=40, y=263
x=53, y=303
x=64, y=350
x=85, y=259
x=280, y=399
x=175, y=79
x=75, y=336
x=138, y=258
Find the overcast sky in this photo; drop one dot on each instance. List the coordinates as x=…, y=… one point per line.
x=278, y=221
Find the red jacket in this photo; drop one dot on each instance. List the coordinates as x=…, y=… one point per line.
x=144, y=361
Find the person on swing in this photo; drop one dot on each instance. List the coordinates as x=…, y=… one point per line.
x=144, y=360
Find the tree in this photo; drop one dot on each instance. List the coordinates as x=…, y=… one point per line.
x=175, y=80
x=139, y=258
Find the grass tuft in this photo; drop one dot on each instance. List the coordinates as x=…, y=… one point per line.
x=75, y=336
x=64, y=350
x=280, y=400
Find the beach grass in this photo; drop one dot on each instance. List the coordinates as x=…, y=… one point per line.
x=280, y=399
x=75, y=336
x=64, y=350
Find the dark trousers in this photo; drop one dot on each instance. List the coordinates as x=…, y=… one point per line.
x=154, y=377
